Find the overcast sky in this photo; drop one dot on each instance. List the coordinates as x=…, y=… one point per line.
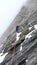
x=8, y=10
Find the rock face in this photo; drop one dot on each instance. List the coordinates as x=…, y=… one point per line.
x=23, y=51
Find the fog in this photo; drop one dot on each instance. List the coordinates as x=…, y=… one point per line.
x=8, y=11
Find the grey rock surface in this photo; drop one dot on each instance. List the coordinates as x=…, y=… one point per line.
x=26, y=17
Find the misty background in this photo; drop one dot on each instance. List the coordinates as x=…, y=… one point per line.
x=8, y=10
